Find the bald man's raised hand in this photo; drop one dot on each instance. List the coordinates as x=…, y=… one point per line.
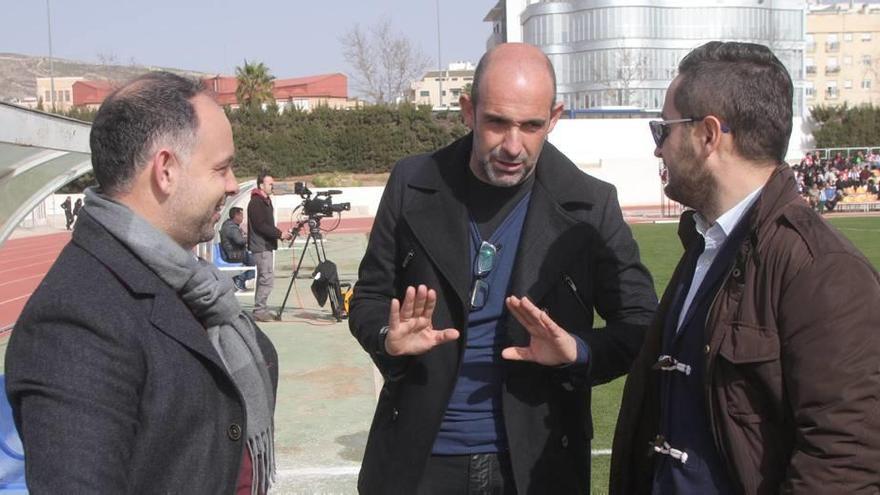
x=549, y=344
x=410, y=331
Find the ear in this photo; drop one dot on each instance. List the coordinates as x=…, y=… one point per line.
x=164, y=171
x=467, y=110
x=555, y=113
x=713, y=133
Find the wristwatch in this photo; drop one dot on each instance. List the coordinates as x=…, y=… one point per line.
x=383, y=332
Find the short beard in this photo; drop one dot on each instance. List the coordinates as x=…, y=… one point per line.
x=694, y=187
x=490, y=175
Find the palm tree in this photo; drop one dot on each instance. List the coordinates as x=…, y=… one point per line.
x=254, y=85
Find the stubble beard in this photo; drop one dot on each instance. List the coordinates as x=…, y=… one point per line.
x=505, y=180
x=690, y=182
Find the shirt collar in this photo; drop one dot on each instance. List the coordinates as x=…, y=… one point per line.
x=729, y=219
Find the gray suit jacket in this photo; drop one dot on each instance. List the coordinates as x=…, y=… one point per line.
x=114, y=385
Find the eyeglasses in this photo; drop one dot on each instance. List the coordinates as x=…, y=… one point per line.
x=660, y=128
x=485, y=262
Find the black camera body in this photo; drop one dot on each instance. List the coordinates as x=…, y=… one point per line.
x=322, y=204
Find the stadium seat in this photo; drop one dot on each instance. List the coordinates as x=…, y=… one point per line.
x=11, y=452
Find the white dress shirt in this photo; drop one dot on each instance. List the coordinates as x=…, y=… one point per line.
x=714, y=236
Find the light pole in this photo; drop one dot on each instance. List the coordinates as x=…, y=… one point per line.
x=439, y=59
x=51, y=62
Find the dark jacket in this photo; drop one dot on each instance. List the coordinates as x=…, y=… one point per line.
x=114, y=385
x=575, y=255
x=232, y=242
x=792, y=349
x=262, y=235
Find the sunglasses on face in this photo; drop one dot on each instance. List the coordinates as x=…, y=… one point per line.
x=660, y=128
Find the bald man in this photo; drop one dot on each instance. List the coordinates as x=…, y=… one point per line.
x=485, y=392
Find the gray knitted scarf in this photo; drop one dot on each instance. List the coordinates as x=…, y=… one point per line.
x=210, y=297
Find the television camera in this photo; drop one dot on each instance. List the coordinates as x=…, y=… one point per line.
x=325, y=285
x=322, y=204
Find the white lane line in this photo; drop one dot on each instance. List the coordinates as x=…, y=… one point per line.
x=11, y=282
x=16, y=298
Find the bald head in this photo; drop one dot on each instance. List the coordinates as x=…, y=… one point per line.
x=509, y=60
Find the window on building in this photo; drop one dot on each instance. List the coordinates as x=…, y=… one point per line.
x=425, y=94
x=454, y=79
x=866, y=60
x=810, y=66
x=866, y=36
x=810, y=90
x=811, y=43
x=847, y=84
x=48, y=96
x=455, y=92
x=847, y=36
x=866, y=84
x=468, y=79
x=66, y=95
x=831, y=90
x=831, y=43
x=831, y=66
x=443, y=93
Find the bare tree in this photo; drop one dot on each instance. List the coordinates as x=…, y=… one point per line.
x=384, y=63
x=628, y=70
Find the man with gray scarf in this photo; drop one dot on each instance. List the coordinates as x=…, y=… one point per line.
x=132, y=368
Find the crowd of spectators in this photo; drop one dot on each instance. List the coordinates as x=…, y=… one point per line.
x=827, y=182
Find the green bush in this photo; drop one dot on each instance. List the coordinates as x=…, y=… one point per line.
x=843, y=126
x=363, y=140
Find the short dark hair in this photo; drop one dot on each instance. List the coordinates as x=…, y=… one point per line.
x=261, y=176
x=483, y=64
x=747, y=88
x=235, y=210
x=151, y=109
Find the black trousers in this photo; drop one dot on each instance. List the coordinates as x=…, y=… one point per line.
x=475, y=474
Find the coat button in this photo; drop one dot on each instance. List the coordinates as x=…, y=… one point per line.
x=564, y=441
x=234, y=432
x=394, y=414
x=706, y=349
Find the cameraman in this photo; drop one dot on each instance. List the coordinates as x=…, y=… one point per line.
x=262, y=239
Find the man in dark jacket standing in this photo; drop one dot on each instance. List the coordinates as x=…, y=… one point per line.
x=68, y=212
x=132, y=368
x=263, y=238
x=484, y=393
x=761, y=372
x=233, y=246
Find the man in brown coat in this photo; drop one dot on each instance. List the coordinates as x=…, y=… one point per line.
x=761, y=373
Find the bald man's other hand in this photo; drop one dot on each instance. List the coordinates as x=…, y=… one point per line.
x=410, y=330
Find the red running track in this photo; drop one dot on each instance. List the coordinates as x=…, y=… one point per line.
x=25, y=261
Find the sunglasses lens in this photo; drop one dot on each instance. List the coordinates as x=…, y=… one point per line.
x=485, y=258
x=480, y=294
x=658, y=131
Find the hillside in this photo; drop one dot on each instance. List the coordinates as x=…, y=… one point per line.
x=18, y=73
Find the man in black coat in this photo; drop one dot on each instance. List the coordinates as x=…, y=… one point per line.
x=484, y=391
x=132, y=368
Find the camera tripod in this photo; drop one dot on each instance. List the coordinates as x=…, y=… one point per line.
x=316, y=238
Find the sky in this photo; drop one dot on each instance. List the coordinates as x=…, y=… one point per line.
x=293, y=37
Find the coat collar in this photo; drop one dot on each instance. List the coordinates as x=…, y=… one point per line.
x=170, y=315
x=779, y=191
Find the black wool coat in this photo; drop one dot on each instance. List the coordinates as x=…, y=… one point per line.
x=576, y=257
x=114, y=385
